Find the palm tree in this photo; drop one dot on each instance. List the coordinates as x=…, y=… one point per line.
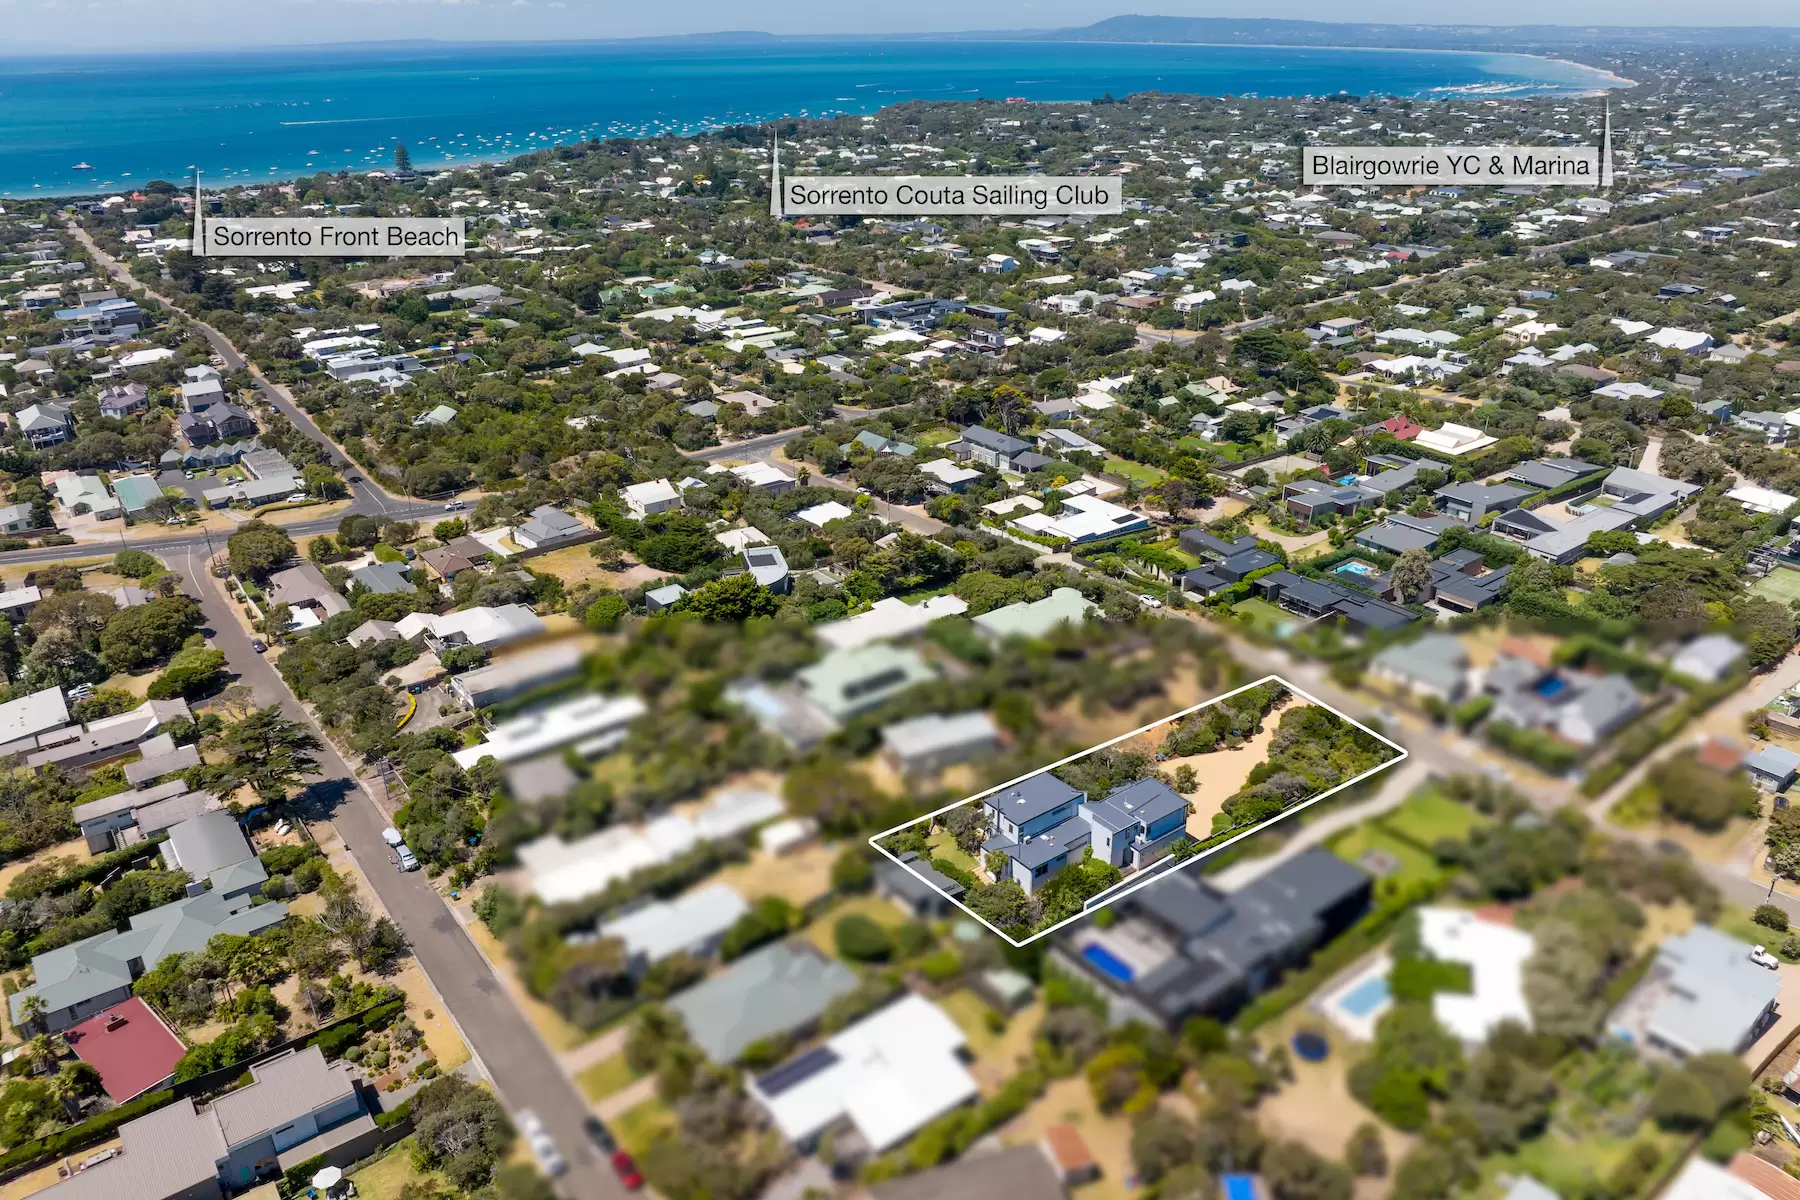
x=31, y=1010
x=38, y=1054
x=67, y=1087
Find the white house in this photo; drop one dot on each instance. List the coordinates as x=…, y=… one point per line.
x=647, y=499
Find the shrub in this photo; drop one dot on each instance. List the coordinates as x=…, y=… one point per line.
x=1771, y=916
x=861, y=940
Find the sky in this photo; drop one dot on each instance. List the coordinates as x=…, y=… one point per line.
x=75, y=25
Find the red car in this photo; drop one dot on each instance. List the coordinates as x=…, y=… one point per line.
x=627, y=1170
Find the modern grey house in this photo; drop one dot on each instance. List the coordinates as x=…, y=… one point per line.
x=1470, y=502
x=1179, y=948
x=1435, y=665
x=382, y=578
x=548, y=527
x=991, y=448
x=1042, y=825
x=1772, y=768
x=297, y=1107
x=918, y=887
x=1703, y=995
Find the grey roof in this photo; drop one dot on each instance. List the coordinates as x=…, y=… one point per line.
x=686, y=923
x=1400, y=533
x=1483, y=495
x=159, y=815
x=284, y=1089
x=766, y=564
x=999, y=443
x=305, y=582
x=1032, y=797
x=372, y=631
x=1437, y=660
x=1066, y=838
x=847, y=682
x=1198, y=541
x=1392, y=480
x=774, y=990
x=383, y=578
x=548, y=524
x=118, y=802
x=1774, y=761
x=934, y=732
x=1714, y=993
x=31, y=715
x=1716, y=652
x=95, y=966
x=1144, y=801
x=918, y=879
x=1552, y=472
x=206, y=843
x=170, y=1151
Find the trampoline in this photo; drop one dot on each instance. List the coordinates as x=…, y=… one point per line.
x=1311, y=1047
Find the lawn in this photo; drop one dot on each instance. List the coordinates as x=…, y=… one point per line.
x=883, y=912
x=1781, y=585
x=1173, y=546
x=943, y=845
x=387, y=1175
x=1415, y=864
x=1734, y=921
x=605, y=1077
x=1263, y=616
x=637, y=1127
x=937, y=437
x=1142, y=474
x=1429, y=815
x=970, y=1012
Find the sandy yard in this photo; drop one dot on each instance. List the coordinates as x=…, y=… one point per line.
x=799, y=877
x=1221, y=774
x=998, y=1056
x=1318, y=1109
x=76, y=849
x=1288, y=541
x=1068, y=1101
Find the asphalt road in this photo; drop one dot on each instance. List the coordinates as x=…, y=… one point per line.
x=515, y=1057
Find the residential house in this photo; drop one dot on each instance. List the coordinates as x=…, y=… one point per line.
x=136, y=493
x=40, y=716
x=1624, y=499
x=1323, y=598
x=488, y=626
x=547, y=528
x=692, y=923
x=1709, y=658
x=297, y=1108
x=1042, y=825
x=1436, y=665
x=1036, y=618
x=1547, y=473
x=917, y=886
x=127, y=818
x=591, y=724
x=382, y=578
x=1083, y=518
x=1179, y=948
x=1470, y=502
x=107, y=737
x=1399, y=532
x=882, y=1079
x=1462, y=583
x=1703, y=995
x=1581, y=709
x=85, y=493
x=925, y=744
x=517, y=674
x=647, y=499
x=125, y=400
x=780, y=990
x=1454, y=440
x=768, y=566
x=17, y=518
x=991, y=449
x=1772, y=768
x=307, y=593
x=45, y=424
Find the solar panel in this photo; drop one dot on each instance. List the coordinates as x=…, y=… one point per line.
x=791, y=1074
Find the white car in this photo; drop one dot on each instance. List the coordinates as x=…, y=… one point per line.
x=391, y=836
x=543, y=1148
x=1149, y=601
x=1763, y=958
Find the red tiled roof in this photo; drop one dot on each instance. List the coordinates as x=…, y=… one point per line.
x=1765, y=1177
x=129, y=1045
x=1721, y=754
x=1403, y=427
x=1067, y=1148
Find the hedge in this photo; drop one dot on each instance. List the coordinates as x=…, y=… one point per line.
x=97, y=1128
x=95, y=868
x=1349, y=946
x=1534, y=747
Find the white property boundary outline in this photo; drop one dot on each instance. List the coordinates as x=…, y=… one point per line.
x=1151, y=874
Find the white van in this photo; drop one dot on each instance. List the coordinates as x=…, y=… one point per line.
x=405, y=854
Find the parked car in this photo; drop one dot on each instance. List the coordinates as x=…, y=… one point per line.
x=407, y=861
x=626, y=1168
x=543, y=1147
x=599, y=1134
x=392, y=837
x=258, y=645
x=1763, y=958
x=1149, y=601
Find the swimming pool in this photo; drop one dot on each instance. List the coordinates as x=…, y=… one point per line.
x=1110, y=964
x=1551, y=686
x=1354, y=567
x=1365, y=997
x=1238, y=1187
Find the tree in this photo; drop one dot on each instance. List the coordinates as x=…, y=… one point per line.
x=860, y=939
x=1365, y=1152
x=256, y=549
x=1412, y=573
x=1563, y=979
x=402, y=158
x=459, y=1129
x=852, y=871
x=191, y=672
x=135, y=564
x=1293, y=1172
x=605, y=612
x=271, y=753
x=1160, y=1142
x=730, y=600
x=1003, y=905
x=138, y=636
x=769, y=918
x=61, y=658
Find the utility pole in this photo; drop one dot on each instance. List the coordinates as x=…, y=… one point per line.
x=775, y=178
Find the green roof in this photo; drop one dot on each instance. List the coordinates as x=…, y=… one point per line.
x=1035, y=618
x=136, y=492
x=847, y=682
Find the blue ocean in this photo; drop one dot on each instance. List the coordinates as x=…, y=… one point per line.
x=72, y=125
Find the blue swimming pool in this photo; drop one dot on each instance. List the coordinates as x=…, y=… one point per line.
x=1110, y=964
x=1238, y=1187
x=1551, y=686
x=1365, y=997
x=1354, y=567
